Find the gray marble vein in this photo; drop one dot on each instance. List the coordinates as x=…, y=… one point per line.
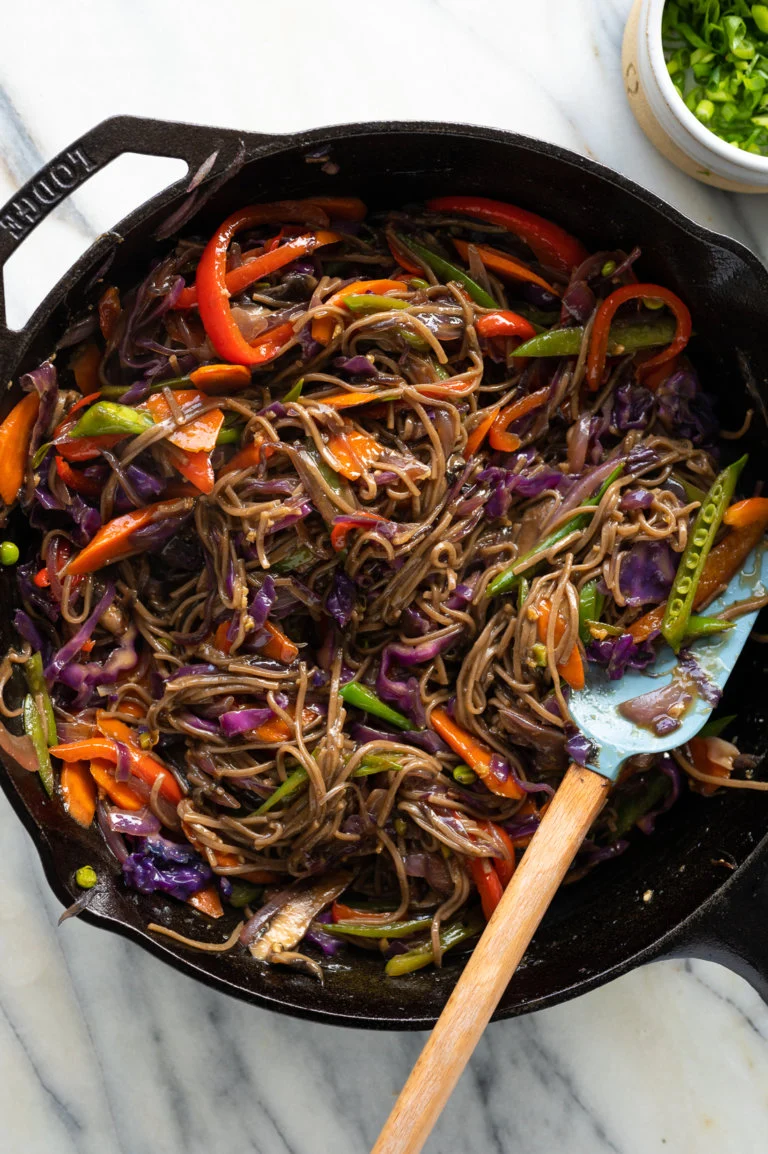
x=102, y=1049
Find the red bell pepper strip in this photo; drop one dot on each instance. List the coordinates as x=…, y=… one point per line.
x=505, y=324
x=509, y=442
x=238, y=279
x=401, y=258
x=109, y=311
x=213, y=294
x=196, y=467
x=488, y=884
x=505, y=867
x=114, y=541
x=359, y=521
x=74, y=479
x=752, y=511
x=142, y=765
x=598, y=347
x=87, y=448
x=479, y=433
x=551, y=244
x=15, y=438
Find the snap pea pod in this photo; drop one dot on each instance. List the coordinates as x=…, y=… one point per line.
x=699, y=626
x=34, y=728
x=590, y=608
x=295, y=391
x=230, y=433
x=447, y=272
x=353, y=693
x=107, y=417
x=385, y=930
x=293, y=782
x=508, y=577
x=115, y=392
x=371, y=303
x=377, y=763
x=422, y=955
x=674, y=625
x=716, y=725
x=33, y=671
x=624, y=336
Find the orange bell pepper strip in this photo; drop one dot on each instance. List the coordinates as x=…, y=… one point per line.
x=207, y=901
x=505, y=324
x=79, y=792
x=489, y=887
x=347, y=400
x=74, y=479
x=714, y=756
x=143, y=765
x=598, y=345
x=199, y=436
x=753, y=511
x=344, y=913
x=480, y=432
x=509, y=442
x=340, y=207
x=477, y=756
x=353, y=451
x=723, y=561
x=322, y=327
x=113, y=542
x=213, y=294
x=572, y=669
x=15, y=439
x=504, y=265
x=84, y=363
x=238, y=279
x=103, y=773
x=220, y=378
x=224, y=860
x=551, y=244
x=505, y=867
x=109, y=311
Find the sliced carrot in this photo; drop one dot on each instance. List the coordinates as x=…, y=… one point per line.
x=322, y=327
x=199, y=436
x=119, y=792
x=143, y=765
x=279, y=647
x=506, y=266
x=220, y=639
x=347, y=400
x=479, y=433
x=208, y=902
x=505, y=868
x=212, y=378
x=249, y=457
x=113, y=542
x=79, y=792
x=344, y=913
x=196, y=467
x=84, y=363
x=572, y=669
x=353, y=451
x=477, y=756
x=276, y=729
x=15, y=438
x=509, y=442
x=224, y=860
x=753, y=511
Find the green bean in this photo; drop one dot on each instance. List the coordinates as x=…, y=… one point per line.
x=33, y=727
x=451, y=935
x=379, y=930
x=448, y=272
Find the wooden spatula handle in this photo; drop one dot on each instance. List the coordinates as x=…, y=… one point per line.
x=493, y=962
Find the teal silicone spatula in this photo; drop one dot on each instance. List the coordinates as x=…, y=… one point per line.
x=574, y=807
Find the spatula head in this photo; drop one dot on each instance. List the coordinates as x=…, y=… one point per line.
x=595, y=708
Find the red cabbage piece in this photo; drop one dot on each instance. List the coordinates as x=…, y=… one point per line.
x=237, y=721
x=640, y=459
x=406, y=695
x=27, y=629
x=661, y=710
x=340, y=602
x=262, y=602
x=636, y=499
x=86, y=518
x=618, y=654
x=70, y=650
x=506, y=484
x=669, y=767
x=684, y=409
x=425, y=739
x=632, y=407
x=162, y=866
x=578, y=747
x=358, y=366
x=145, y=484
x=138, y=823
x=45, y=381
x=647, y=572
x=709, y=690
x=152, y=537
x=578, y=302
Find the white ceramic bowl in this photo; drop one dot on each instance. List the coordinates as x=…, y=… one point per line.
x=668, y=122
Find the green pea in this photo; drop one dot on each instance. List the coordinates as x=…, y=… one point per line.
x=86, y=877
x=9, y=553
x=464, y=775
x=608, y=268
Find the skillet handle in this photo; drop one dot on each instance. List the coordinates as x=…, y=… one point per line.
x=86, y=156
x=732, y=929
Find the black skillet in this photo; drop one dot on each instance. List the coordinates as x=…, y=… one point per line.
x=699, y=887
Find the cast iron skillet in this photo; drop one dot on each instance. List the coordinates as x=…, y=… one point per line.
x=699, y=887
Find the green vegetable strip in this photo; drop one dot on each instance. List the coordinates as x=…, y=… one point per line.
x=507, y=578
x=243, y=893
x=386, y=930
x=624, y=335
x=302, y=556
x=451, y=935
x=716, y=725
x=676, y=616
x=370, y=303
x=590, y=608
x=106, y=417
x=115, y=392
x=353, y=693
x=33, y=671
x=633, y=806
x=34, y=729
x=294, y=392
x=293, y=782
x=447, y=272
x=705, y=626
x=230, y=434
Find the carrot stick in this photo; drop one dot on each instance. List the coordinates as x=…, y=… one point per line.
x=572, y=669
x=212, y=378
x=79, y=792
x=353, y=451
x=477, y=756
x=196, y=467
x=143, y=765
x=199, y=436
x=322, y=327
x=279, y=647
x=277, y=730
x=15, y=437
x=509, y=442
x=479, y=433
x=119, y=792
x=503, y=264
x=84, y=363
x=347, y=400
x=249, y=457
x=207, y=901
x=113, y=541
x=745, y=513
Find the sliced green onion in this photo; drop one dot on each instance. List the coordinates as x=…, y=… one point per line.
x=361, y=697
x=293, y=782
x=381, y=930
x=294, y=392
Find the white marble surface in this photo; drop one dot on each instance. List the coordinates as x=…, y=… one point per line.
x=102, y=1049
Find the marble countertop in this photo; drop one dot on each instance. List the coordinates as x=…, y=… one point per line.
x=102, y=1049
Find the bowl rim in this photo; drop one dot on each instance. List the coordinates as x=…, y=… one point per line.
x=749, y=161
